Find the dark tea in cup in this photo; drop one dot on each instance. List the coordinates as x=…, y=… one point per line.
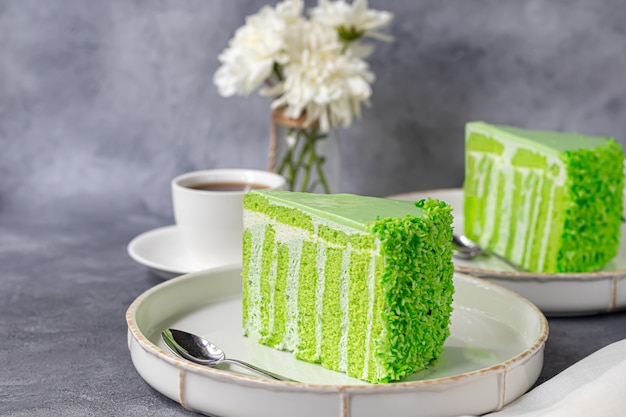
x=227, y=186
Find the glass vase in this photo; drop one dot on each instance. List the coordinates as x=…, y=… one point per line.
x=308, y=158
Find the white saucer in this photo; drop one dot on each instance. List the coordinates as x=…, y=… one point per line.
x=161, y=251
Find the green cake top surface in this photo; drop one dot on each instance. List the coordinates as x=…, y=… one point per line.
x=551, y=141
x=347, y=209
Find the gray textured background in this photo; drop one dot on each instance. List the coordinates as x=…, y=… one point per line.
x=103, y=102
x=110, y=99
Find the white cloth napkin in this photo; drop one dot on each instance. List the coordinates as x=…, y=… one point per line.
x=592, y=387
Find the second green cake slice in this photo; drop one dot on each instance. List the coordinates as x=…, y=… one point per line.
x=548, y=201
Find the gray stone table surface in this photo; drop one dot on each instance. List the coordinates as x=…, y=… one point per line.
x=66, y=282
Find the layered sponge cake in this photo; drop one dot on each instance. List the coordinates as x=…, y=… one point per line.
x=548, y=201
x=361, y=285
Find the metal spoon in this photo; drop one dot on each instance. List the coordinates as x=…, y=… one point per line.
x=466, y=248
x=203, y=352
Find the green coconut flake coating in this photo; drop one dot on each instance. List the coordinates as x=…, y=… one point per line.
x=417, y=287
x=591, y=233
x=358, y=284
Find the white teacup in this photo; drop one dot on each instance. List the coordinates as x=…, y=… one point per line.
x=209, y=214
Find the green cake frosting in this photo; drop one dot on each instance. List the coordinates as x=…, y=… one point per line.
x=361, y=285
x=346, y=209
x=548, y=201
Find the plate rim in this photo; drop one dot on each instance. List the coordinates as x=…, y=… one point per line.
x=520, y=358
x=515, y=275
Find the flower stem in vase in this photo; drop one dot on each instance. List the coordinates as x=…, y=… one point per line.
x=305, y=154
x=287, y=162
x=310, y=149
x=301, y=159
x=315, y=159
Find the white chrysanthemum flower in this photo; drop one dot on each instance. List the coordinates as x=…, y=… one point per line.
x=320, y=80
x=259, y=44
x=352, y=21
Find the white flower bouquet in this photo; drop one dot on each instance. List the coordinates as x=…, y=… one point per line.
x=314, y=69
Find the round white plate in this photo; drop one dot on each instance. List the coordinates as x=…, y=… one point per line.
x=566, y=294
x=493, y=355
x=161, y=251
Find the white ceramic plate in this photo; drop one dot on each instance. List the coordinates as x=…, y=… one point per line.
x=494, y=354
x=555, y=294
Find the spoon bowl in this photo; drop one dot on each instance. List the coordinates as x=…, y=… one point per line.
x=201, y=351
x=465, y=247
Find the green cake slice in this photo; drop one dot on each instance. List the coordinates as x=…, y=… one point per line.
x=361, y=285
x=548, y=201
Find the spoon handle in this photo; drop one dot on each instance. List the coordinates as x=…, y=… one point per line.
x=257, y=370
x=505, y=260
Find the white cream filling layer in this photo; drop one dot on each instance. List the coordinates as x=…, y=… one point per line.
x=291, y=339
x=523, y=218
x=254, y=322
x=319, y=297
